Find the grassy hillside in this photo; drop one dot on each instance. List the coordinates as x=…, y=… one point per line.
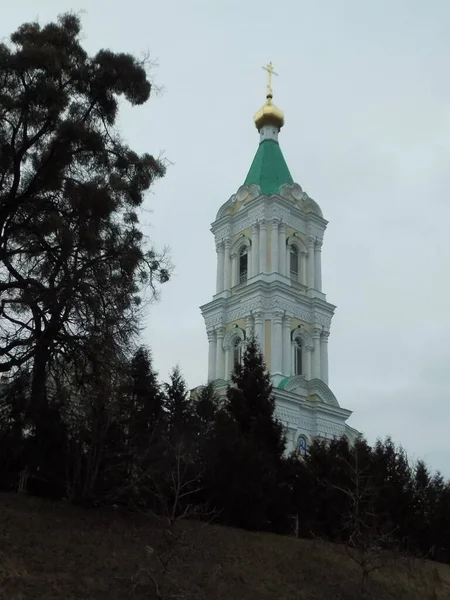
x=55, y=551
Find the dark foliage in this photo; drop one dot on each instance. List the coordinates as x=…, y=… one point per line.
x=245, y=465
x=72, y=257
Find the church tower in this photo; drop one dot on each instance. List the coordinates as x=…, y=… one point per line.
x=268, y=238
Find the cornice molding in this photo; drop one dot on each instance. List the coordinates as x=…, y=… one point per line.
x=234, y=308
x=265, y=208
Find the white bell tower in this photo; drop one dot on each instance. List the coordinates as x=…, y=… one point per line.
x=269, y=239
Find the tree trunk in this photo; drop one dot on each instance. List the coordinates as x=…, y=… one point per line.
x=39, y=400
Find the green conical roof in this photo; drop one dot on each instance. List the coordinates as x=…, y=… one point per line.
x=269, y=169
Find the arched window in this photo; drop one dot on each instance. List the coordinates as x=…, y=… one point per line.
x=243, y=264
x=302, y=445
x=297, y=357
x=293, y=261
x=237, y=352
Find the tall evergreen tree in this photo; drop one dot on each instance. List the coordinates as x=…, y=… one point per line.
x=14, y=402
x=251, y=403
x=246, y=475
x=140, y=425
x=179, y=409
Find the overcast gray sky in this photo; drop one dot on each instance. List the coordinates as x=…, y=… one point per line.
x=365, y=88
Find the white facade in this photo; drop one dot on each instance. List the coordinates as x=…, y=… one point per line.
x=269, y=282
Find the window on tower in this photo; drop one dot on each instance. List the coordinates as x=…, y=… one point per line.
x=301, y=445
x=293, y=262
x=297, y=357
x=243, y=265
x=237, y=352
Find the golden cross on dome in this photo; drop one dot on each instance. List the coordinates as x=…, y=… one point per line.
x=270, y=72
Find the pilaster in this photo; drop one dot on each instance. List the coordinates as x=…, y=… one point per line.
x=260, y=330
x=234, y=270
x=220, y=359
x=211, y=354
x=220, y=266
x=316, y=352
x=274, y=247
x=308, y=362
x=262, y=247
x=282, y=258
x=227, y=265
x=310, y=281
x=255, y=250
x=324, y=355
x=318, y=266
x=287, y=346
x=249, y=327
x=277, y=343
x=303, y=278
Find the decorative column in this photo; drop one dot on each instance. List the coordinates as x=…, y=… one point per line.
x=249, y=261
x=220, y=266
x=274, y=245
x=287, y=260
x=255, y=250
x=220, y=359
x=248, y=327
x=318, y=266
x=234, y=270
x=308, y=362
x=286, y=346
x=310, y=278
x=282, y=259
x=324, y=355
x=262, y=247
x=303, y=268
x=260, y=331
x=227, y=266
x=316, y=353
x=277, y=343
x=228, y=362
x=211, y=354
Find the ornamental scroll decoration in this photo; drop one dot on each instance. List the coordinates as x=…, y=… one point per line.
x=315, y=231
x=304, y=336
x=223, y=233
x=322, y=320
x=232, y=334
x=278, y=302
x=284, y=216
x=295, y=194
x=291, y=417
x=328, y=428
x=249, y=219
x=237, y=201
x=288, y=219
x=295, y=382
x=320, y=388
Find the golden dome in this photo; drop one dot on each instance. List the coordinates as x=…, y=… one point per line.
x=269, y=115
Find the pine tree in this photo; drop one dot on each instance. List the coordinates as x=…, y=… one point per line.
x=14, y=402
x=179, y=409
x=251, y=404
x=246, y=470
x=136, y=439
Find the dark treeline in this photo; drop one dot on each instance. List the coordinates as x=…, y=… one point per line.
x=83, y=415
x=155, y=447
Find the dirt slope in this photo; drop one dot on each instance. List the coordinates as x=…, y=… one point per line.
x=55, y=551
